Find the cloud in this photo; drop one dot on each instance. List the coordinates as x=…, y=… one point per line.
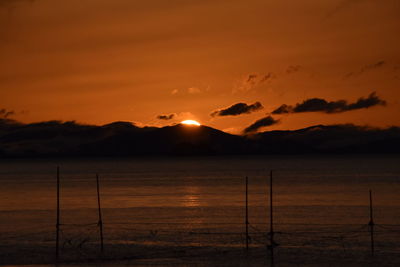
x=373, y=66
x=4, y=113
x=190, y=90
x=166, y=117
x=252, y=81
x=237, y=109
x=283, y=109
x=321, y=105
x=366, y=68
x=194, y=90
x=292, y=69
x=264, y=122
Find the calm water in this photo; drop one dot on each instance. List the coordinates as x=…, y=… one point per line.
x=198, y=201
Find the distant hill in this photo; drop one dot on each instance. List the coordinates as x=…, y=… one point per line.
x=344, y=138
x=69, y=139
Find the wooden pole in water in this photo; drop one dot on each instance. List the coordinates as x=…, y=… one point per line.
x=247, y=214
x=58, y=213
x=371, y=223
x=100, y=223
x=271, y=223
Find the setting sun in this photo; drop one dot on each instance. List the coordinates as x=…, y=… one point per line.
x=190, y=122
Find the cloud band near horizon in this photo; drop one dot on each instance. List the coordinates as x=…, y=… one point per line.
x=264, y=122
x=322, y=105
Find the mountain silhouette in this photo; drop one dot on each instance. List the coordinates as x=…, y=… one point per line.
x=343, y=138
x=70, y=139
x=170, y=140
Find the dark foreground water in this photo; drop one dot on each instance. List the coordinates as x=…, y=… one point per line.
x=190, y=211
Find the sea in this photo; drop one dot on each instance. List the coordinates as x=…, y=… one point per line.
x=191, y=211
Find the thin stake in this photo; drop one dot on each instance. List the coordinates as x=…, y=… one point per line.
x=371, y=223
x=58, y=213
x=100, y=223
x=271, y=223
x=247, y=214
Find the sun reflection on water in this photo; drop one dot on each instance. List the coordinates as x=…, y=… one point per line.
x=191, y=197
x=192, y=200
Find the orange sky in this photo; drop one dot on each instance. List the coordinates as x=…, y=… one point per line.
x=99, y=61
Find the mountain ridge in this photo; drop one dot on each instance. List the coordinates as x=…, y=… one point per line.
x=70, y=139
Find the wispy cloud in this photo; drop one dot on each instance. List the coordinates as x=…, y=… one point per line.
x=4, y=113
x=194, y=90
x=366, y=68
x=293, y=68
x=343, y=5
x=373, y=66
x=322, y=105
x=191, y=90
x=237, y=109
x=252, y=81
x=264, y=122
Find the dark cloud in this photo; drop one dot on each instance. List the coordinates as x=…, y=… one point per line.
x=283, y=109
x=264, y=122
x=366, y=68
x=166, y=117
x=4, y=113
x=237, y=109
x=321, y=105
x=370, y=101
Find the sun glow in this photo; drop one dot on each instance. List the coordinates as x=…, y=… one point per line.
x=190, y=122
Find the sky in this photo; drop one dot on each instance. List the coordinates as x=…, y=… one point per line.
x=159, y=62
